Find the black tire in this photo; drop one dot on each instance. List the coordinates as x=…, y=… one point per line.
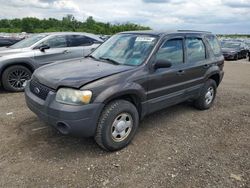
x=18, y=73
x=202, y=102
x=109, y=116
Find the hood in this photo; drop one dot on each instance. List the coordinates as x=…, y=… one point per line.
x=8, y=51
x=76, y=73
x=228, y=50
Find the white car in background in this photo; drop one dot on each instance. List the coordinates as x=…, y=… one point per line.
x=17, y=62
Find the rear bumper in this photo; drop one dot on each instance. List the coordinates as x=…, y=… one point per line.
x=72, y=120
x=221, y=75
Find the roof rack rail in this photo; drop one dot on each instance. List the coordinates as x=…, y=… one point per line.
x=186, y=30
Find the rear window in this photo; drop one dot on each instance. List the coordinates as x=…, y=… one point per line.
x=214, y=43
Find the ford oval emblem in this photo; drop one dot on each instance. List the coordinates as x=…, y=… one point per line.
x=36, y=90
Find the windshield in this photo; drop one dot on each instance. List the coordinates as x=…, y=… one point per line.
x=125, y=49
x=230, y=45
x=28, y=41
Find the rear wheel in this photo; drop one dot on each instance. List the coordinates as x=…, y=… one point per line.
x=117, y=125
x=14, y=77
x=207, y=96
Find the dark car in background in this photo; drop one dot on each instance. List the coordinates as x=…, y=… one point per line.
x=7, y=41
x=234, y=50
x=133, y=74
x=17, y=62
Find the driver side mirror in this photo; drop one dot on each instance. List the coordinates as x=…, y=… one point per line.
x=44, y=47
x=160, y=63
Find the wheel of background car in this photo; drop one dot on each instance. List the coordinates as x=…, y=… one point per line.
x=14, y=77
x=117, y=125
x=236, y=57
x=207, y=96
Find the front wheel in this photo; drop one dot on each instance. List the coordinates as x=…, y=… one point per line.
x=207, y=95
x=117, y=125
x=14, y=77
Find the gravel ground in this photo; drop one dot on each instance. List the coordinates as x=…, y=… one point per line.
x=176, y=147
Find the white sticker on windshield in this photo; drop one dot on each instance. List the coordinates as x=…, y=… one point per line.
x=144, y=39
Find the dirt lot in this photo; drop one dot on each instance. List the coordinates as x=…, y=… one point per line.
x=176, y=147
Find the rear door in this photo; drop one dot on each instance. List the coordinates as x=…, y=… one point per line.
x=58, y=50
x=80, y=45
x=197, y=63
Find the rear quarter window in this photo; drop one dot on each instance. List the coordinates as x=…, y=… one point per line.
x=196, y=50
x=214, y=44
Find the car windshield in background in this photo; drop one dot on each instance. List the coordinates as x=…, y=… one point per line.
x=230, y=45
x=126, y=49
x=28, y=42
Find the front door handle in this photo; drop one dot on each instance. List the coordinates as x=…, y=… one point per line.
x=66, y=51
x=206, y=66
x=180, y=72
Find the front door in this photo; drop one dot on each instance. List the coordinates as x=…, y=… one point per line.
x=58, y=50
x=165, y=85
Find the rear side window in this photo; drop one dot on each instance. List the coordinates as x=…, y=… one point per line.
x=195, y=49
x=79, y=40
x=214, y=43
x=171, y=50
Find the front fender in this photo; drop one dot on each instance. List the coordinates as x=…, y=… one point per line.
x=17, y=61
x=120, y=90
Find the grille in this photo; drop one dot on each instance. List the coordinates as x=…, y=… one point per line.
x=39, y=90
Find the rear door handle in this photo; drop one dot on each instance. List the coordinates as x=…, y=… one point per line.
x=180, y=72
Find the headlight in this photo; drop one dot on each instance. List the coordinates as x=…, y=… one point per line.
x=232, y=52
x=73, y=96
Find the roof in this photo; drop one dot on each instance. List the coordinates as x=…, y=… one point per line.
x=160, y=33
x=74, y=33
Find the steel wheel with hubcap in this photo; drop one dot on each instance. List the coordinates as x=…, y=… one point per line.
x=117, y=125
x=209, y=95
x=121, y=127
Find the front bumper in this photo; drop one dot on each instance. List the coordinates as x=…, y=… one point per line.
x=72, y=120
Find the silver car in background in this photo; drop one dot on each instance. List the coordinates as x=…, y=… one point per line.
x=18, y=61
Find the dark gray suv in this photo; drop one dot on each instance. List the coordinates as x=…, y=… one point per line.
x=132, y=74
x=18, y=61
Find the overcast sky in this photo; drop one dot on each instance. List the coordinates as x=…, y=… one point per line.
x=218, y=16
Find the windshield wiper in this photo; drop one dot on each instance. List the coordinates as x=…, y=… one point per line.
x=110, y=60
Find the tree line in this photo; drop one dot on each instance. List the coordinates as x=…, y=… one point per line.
x=67, y=23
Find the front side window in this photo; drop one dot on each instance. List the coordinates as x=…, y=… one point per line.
x=195, y=49
x=172, y=51
x=213, y=42
x=126, y=49
x=79, y=40
x=55, y=42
